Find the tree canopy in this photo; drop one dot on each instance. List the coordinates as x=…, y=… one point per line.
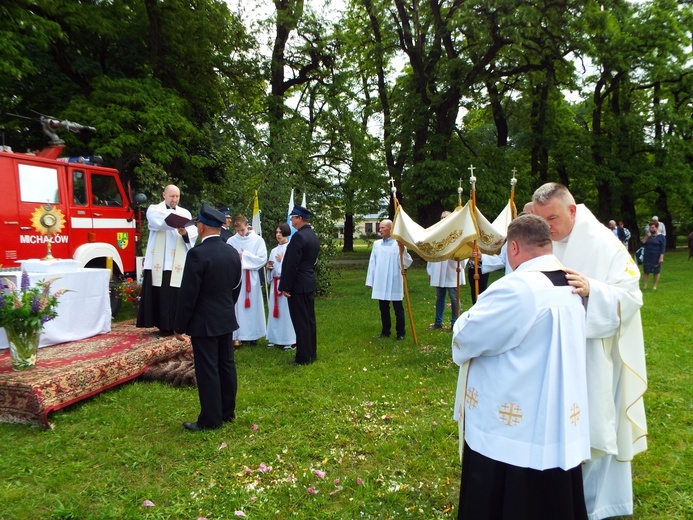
x=333, y=99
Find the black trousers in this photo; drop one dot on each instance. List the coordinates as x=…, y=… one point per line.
x=215, y=370
x=157, y=304
x=302, y=310
x=385, y=316
x=483, y=281
x=493, y=490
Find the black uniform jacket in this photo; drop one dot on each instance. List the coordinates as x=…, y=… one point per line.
x=298, y=265
x=209, y=289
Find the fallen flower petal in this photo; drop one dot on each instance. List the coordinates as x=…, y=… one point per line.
x=339, y=488
x=320, y=473
x=255, y=427
x=312, y=491
x=359, y=480
x=336, y=481
x=222, y=446
x=239, y=513
x=148, y=503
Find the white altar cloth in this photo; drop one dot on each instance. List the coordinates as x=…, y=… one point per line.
x=83, y=312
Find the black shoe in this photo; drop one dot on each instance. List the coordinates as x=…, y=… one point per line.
x=229, y=419
x=382, y=336
x=192, y=426
x=165, y=333
x=400, y=337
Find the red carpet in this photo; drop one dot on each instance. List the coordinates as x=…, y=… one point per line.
x=69, y=372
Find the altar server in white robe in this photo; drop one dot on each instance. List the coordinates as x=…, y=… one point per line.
x=164, y=261
x=250, y=307
x=280, y=329
x=385, y=278
x=525, y=398
x=443, y=276
x=616, y=374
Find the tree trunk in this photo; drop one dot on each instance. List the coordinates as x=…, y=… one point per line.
x=348, y=233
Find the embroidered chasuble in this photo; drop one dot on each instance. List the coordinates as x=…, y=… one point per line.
x=524, y=400
x=250, y=307
x=617, y=377
x=166, y=248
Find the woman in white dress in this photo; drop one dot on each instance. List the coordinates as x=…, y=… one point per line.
x=280, y=330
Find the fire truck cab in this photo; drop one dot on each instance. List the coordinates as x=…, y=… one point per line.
x=94, y=215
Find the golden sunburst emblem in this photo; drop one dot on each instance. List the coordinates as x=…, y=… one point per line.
x=48, y=220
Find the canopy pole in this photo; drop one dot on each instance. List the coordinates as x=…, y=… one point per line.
x=477, y=259
x=395, y=204
x=459, y=205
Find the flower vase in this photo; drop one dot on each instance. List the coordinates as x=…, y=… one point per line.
x=23, y=346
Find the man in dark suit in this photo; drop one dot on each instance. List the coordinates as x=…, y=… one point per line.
x=298, y=284
x=226, y=232
x=209, y=290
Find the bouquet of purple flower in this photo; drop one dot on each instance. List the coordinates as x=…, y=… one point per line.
x=23, y=312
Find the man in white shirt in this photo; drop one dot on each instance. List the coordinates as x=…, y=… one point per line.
x=616, y=374
x=250, y=307
x=385, y=278
x=525, y=401
x=164, y=262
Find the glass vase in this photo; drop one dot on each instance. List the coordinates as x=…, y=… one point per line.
x=23, y=346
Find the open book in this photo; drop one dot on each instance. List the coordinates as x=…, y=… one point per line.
x=178, y=221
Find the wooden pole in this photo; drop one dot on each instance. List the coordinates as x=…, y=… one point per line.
x=459, y=205
x=393, y=189
x=472, y=181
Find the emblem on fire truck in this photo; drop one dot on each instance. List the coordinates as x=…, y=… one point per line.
x=122, y=239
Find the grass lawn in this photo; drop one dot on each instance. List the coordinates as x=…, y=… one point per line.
x=366, y=432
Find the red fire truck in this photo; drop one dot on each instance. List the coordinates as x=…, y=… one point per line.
x=78, y=206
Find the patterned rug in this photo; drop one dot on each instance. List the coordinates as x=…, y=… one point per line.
x=70, y=372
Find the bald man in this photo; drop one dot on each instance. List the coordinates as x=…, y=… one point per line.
x=164, y=262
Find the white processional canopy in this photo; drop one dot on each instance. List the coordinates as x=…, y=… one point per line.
x=452, y=238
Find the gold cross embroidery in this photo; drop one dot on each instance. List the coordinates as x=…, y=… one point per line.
x=157, y=267
x=575, y=414
x=510, y=414
x=178, y=268
x=471, y=398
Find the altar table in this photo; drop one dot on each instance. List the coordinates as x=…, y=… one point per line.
x=84, y=311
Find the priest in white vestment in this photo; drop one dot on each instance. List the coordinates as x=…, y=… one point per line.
x=280, y=329
x=385, y=278
x=164, y=261
x=525, y=399
x=250, y=307
x=616, y=374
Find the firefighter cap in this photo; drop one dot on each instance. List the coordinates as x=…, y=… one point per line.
x=210, y=216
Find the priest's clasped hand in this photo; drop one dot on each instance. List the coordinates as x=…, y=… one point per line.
x=579, y=281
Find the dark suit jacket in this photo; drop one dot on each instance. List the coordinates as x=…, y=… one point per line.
x=209, y=290
x=298, y=265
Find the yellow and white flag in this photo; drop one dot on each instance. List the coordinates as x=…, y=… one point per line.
x=256, y=216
